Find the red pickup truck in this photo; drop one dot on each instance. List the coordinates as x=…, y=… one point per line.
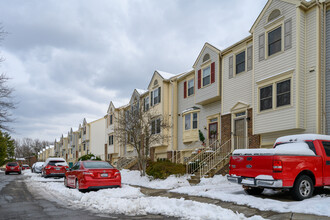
x=299, y=163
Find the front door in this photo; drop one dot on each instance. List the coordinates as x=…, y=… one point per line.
x=213, y=132
x=240, y=133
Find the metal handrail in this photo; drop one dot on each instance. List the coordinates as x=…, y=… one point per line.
x=211, y=161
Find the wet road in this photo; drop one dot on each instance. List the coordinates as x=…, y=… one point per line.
x=17, y=202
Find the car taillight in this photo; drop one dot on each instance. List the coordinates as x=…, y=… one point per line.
x=47, y=167
x=88, y=173
x=277, y=166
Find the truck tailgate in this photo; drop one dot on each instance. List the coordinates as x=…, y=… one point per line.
x=251, y=166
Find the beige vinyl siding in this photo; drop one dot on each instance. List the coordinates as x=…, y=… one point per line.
x=327, y=79
x=281, y=118
x=311, y=76
x=236, y=89
x=269, y=139
x=205, y=111
x=302, y=72
x=212, y=90
x=97, y=138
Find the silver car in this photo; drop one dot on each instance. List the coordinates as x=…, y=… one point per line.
x=36, y=167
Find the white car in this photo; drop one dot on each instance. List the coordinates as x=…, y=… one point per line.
x=37, y=167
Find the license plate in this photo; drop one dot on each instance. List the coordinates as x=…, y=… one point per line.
x=248, y=181
x=12, y=168
x=57, y=168
x=104, y=175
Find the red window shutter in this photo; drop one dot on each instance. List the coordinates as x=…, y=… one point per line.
x=199, y=78
x=185, y=89
x=213, y=72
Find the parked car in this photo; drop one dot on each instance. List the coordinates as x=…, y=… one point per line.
x=25, y=167
x=54, y=167
x=37, y=167
x=13, y=167
x=87, y=175
x=298, y=163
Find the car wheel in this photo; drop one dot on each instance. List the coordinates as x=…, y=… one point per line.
x=19, y=172
x=303, y=188
x=254, y=191
x=6, y=173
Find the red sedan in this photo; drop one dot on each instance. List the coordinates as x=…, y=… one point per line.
x=25, y=167
x=13, y=167
x=92, y=175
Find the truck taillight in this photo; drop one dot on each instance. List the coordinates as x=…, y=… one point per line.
x=277, y=166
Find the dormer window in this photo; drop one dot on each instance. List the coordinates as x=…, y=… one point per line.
x=274, y=14
x=206, y=57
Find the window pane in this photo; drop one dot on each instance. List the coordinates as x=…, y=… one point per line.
x=153, y=127
x=266, y=104
x=326, y=146
x=240, y=62
x=190, y=87
x=206, y=76
x=274, y=41
x=266, y=92
x=158, y=126
x=194, y=120
x=206, y=80
x=187, y=121
x=155, y=96
x=266, y=98
x=283, y=93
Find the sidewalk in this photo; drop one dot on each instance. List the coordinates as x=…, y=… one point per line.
x=247, y=211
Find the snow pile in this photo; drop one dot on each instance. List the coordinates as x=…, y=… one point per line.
x=219, y=188
x=130, y=201
x=134, y=178
x=283, y=149
x=302, y=137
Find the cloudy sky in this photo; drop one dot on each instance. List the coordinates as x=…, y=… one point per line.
x=68, y=59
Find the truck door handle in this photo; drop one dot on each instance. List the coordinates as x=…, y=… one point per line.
x=327, y=162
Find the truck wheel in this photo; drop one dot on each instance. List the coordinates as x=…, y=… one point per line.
x=254, y=191
x=303, y=188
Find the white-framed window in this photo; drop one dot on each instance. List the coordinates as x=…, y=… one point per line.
x=110, y=139
x=155, y=126
x=275, y=95
x=266, y=98
x=110, y=119
x=206, y=76
x=240, y=62
x=146, y=103
x=155, y=96
x=275, y=41
x=191, y=121
x=191, y=85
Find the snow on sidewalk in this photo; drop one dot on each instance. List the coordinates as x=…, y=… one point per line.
x=218, y=187
x=130, y=201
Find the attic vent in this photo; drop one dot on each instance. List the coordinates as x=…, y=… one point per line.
x=274, y=15
x=206, y=57
x=155, y=82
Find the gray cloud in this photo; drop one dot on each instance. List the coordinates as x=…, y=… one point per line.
x=69, y=59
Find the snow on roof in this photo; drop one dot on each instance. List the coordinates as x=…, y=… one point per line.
x=141, y=91
x=283, y=149
x=166, y=75
x=302, y=137
x=185, y=73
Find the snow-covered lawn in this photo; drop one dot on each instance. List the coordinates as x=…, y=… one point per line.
x=129, y=200
x=219, y=188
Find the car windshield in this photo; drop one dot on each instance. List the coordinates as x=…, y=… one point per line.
x=54, y=162
x=97, y=164
x=12, y=164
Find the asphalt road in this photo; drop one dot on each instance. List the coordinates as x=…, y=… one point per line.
x=17, y=202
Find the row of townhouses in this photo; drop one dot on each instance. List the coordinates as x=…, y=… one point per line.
x=274, y=82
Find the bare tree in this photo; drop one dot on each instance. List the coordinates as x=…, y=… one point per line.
x=6, y=99
x=141, y=130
